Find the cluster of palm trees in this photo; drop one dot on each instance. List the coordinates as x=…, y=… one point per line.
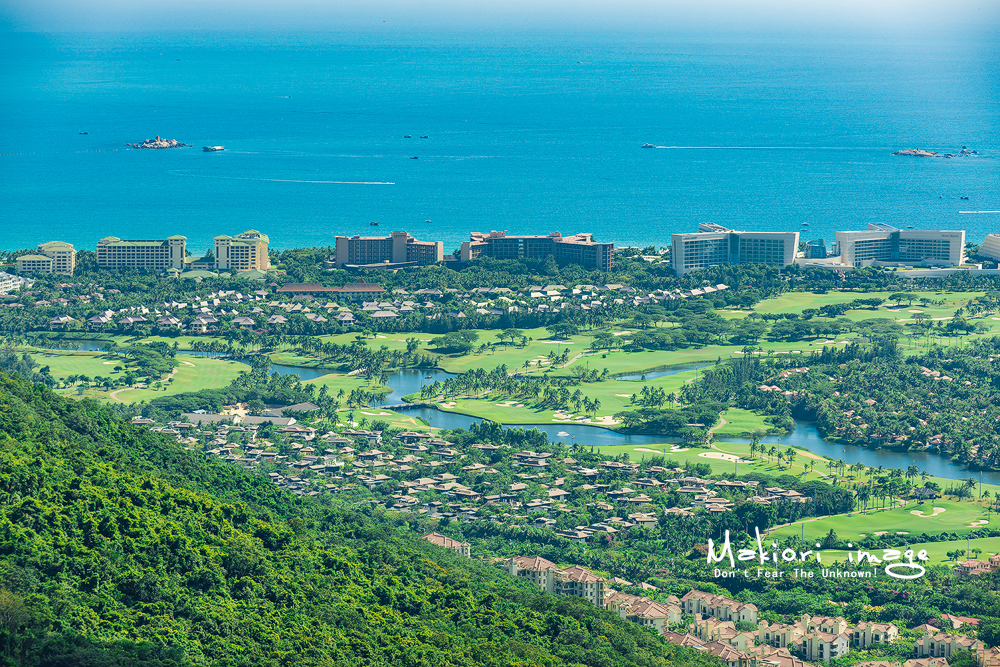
x=545, y=391
x=654, y=396
x=773, y=452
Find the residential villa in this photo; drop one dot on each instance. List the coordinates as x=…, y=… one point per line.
x=461, y=548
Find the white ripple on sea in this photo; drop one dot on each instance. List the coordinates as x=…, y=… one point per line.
x=178, y=172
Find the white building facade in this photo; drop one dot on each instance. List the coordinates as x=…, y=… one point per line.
x=713, y=245
x=882, y=243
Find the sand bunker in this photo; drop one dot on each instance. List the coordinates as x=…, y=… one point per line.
x=673, y=449
x=621, y=333
x=375, y=414
x=979, y=522
x=448, y=404
x=914, y=311
x=719, y=455
x=506, y=404
x=937, y=510
x=902, y=532
x=624, y=395
x=881, y=533
x=112, y=363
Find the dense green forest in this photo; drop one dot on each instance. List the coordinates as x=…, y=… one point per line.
x=119, y=547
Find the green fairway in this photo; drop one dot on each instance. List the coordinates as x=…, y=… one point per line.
x=942, y=516
x=64, y=364
x=796, y=302
x=739, y=422
x=192, y=374
x=614, y=395
x=336, y=381
x=720, y=458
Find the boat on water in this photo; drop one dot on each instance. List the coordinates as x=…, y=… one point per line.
x=408, y=136
x=909, y=226
x=562, y=434
x=414, y=157
x=648, y=146
x=959, y=197
x=89, y=133
x=213, y=149
x=373, y=224
x=805, y=224
x=423, y=136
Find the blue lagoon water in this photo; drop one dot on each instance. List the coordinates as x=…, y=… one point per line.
x=524, y=134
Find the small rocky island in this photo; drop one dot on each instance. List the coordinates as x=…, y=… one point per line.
x=160, y=142
x=918, y=152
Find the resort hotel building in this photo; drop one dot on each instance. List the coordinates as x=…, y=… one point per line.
x=713, y=245
x=243, y=252
x=399, y=249
x=885, y=244
x=990, y=247
x=577, y=249
x=52, y=257
x=115, y=253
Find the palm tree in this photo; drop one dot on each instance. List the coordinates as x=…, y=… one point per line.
x=755, y=436
x=790, y=455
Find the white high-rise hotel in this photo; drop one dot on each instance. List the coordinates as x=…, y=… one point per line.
x=713, y=245
x=885, y=243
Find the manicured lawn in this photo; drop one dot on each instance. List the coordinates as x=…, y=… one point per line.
x=394, y=419
x=63, y=364
x=336, y=381
x=192, y=374
x=614, y=395
x=957, y=517
x=719, y=465
x=740, y=421
x=796, y=302
x=938, y=551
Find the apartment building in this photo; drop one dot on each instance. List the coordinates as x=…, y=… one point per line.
x=534, y=568
x=937, y=644
x=718, y=606
x=867, y=633
x=243, y=252
x=397, y=249
x=576, y=249
x=713, y=245
x=11, y=283
x=818, y=645
x=642, y=610
x=882, y=243
x=461, y=548
x=576, y=581
x=158, y=255
x=53, y=257
x=580, y=582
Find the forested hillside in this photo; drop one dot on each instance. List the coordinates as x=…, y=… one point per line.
x=119, y=548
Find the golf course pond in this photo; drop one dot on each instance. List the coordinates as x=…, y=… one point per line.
x=804, y=434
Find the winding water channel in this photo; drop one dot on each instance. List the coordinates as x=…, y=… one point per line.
x=804, y=434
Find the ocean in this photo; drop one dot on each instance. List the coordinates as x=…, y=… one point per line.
x=528, y=134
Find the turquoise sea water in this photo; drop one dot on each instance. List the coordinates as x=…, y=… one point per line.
x=528, y=135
